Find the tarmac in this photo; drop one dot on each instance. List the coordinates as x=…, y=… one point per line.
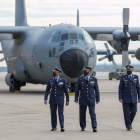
x=23, y=116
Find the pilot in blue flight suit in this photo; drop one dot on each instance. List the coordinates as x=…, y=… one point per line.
x=129, y=91
x=56, y=87
x=88, y=87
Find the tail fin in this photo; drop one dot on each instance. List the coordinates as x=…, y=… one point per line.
x=20, y=13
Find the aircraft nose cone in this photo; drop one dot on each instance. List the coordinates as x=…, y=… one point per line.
x=73, y=61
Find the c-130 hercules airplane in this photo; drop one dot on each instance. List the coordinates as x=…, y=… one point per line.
x=32, y=52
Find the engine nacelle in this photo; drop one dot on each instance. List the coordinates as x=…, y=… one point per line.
x=6, y=37
x=9, y=79
x=137, y=54
x=116, y=42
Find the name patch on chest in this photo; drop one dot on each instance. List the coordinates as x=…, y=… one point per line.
x=61, y=83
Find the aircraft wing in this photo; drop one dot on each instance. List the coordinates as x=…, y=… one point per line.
x=15, y=30
x=12, y=29
x=104, y=52
x=95, y=32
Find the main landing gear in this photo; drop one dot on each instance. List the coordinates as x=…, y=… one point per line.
x=16, y=86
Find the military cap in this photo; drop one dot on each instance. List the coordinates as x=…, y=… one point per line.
x=129, y=67
x=56, y=70
x=87, y=68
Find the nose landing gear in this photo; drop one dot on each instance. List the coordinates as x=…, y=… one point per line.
x=72, y=87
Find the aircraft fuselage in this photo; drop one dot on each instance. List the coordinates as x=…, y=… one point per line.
x=40, y=50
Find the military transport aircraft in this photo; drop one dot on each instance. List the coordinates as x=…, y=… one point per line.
x=32, y=52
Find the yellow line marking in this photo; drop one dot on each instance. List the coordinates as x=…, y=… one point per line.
x=71, y=93
x=17, y=91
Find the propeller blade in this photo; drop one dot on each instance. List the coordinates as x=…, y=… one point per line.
x=129, y=61
x=78, y=22
x=102, y=58
x=106, y=45
x=124, y=58
x=1, y=60
x=105, y=37
x=125, y=20
x=114, y=63
x=128, y=35
x=126, y=16
x=6, y=37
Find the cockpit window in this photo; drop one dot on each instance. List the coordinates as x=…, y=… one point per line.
x=85, y=33
x=64, y=37
x=87, y=37
x=81, y=37
x=58, y=37
x=73, y=36
x=55, y=37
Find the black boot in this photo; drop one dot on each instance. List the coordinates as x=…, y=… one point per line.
x=94, y=129
x=53, y=129
x=62, y=129
x=83, y=129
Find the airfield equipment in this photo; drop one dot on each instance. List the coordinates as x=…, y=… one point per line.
x=117, y=73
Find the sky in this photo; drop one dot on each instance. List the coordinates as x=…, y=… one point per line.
x=93, y=13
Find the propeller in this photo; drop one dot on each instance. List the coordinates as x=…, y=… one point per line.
x=124, y=37
x=109, y=56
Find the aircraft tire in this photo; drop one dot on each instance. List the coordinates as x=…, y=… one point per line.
x=11, y=89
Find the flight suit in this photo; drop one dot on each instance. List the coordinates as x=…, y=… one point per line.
x=89, y=92
x=129, y=91
x=56, y=90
